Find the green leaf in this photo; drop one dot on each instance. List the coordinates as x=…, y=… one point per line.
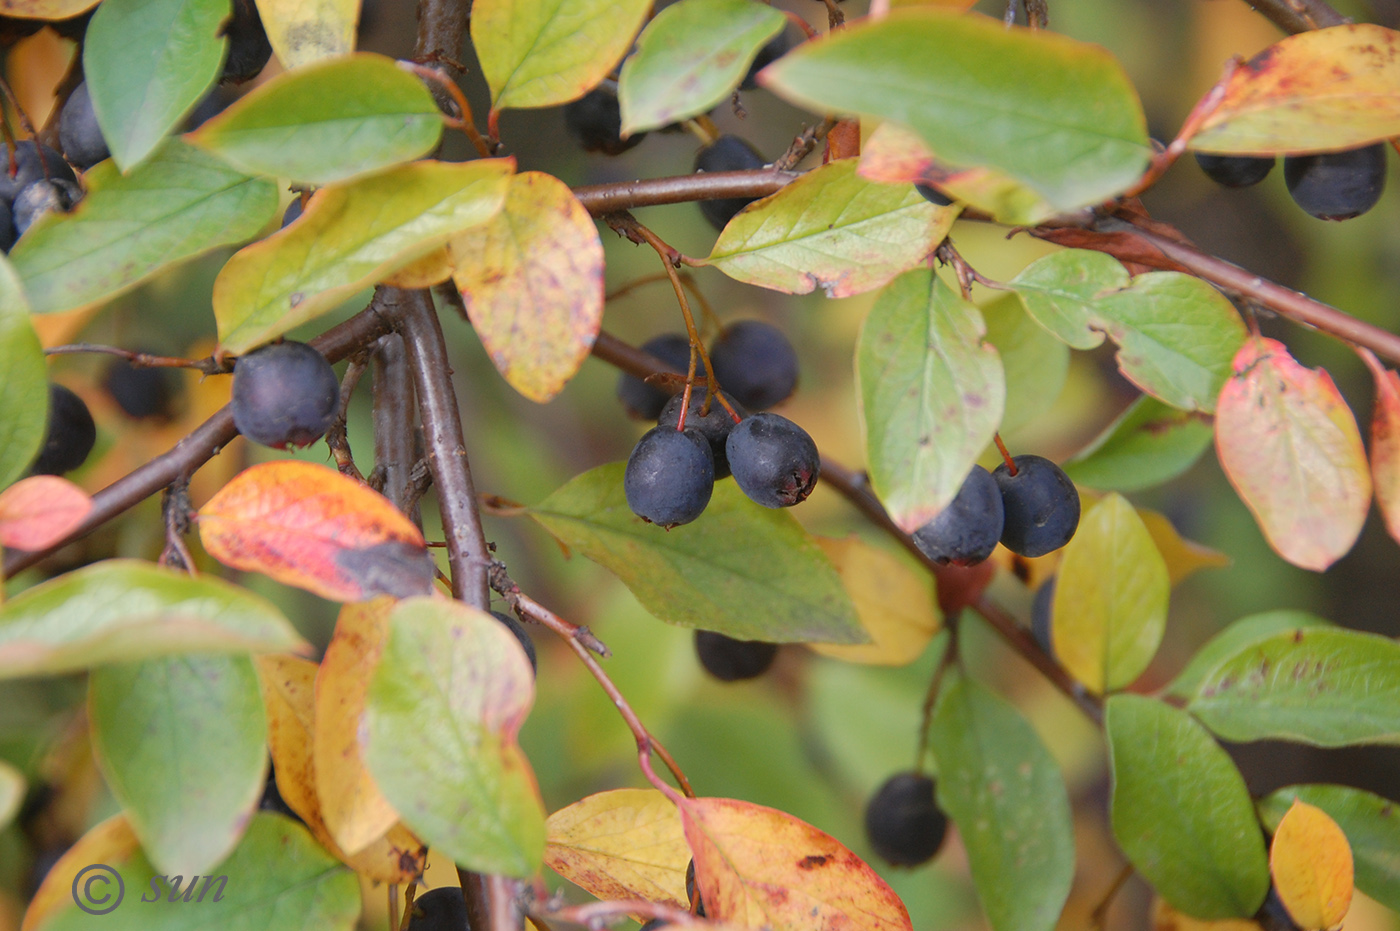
x=1371, y=824
x=931, y=394
x=182, y=742
x=1059, y=292
x=179, y=204
x=690, y=57
x=1176, y=336
x=1148, y=444
x=1240, y=635
x=277, y=877
x=350, y=236
x=325, y=122
x=1111, y=597
x=24, y=381
x=1053, y=113
x=444, y=707
x=539, y=53
x=1181, y=812
x=743, y=570
x=1034, y=362
x=1327, y=686
x=1006, y=795
x=121, y=610
x=831, y=229
x=180, y=50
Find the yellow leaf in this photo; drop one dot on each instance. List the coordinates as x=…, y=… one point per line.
x=431, y=269
x=894, y=600
x=532, y=280
x=1310, y=861
x=623, y=844
x=112, y=841
x=303, y=31
x=1183, y=557
x=45, y=9
x=1166, y=918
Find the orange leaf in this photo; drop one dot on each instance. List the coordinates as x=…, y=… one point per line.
x=759, y=867
x=310, y=526
x=1289, y=444
x=532, y=280
x=39, y=511
x=1310, y=861
x=352, y=805
x=1325, y=90
x=1385, y=442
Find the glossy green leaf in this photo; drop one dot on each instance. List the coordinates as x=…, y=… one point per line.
x=1148, y=444
x=277, y=877
x=179, y=204
x=539, y=53
x=831, y=229
x=350, y=236
x=1060, y=289
x=1111, y=596
x=1176, y=337
x=121, y=610
x=444, y=707
x=1239, y=636
x=741, y=569
x=24, y=383
x=180, y=48
x=690, y=57
x=1006, y=795
x=325, y=122
x=11, y=793
x=1371, y=824
x=182, y=743
x=1181, y=812
x=1328, y=687
x=931, y=393
x=1034, y=362
x=1053, y=113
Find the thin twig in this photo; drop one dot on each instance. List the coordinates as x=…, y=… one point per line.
x=935, y=685
x=597, y=914
x=601, y=199
x=464, y=120
x=336, y=436
x=1098, y=918
x=208, y=365
x=803, y=145
x=1295, y=16
x=394, y=421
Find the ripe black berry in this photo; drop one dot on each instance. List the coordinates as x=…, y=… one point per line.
x=755, y=363
x=292, y=214
x=78, y=131
x=1337, y=185
x=248, y=45
x=1041, y=504
x=775, y=49
x=595, y=122
x=903, y=822
x=966, y=531
x=933, y=195
x=41, y=197
x=714, y=426
x=441, y=909
x=727, y=153
x=642, y=400
x=1235, y=170
x=773, y=460
x=285, y=394
x=28, y=168
x=1041, y=615
x=70, y=435
x=139, y=391
x=670, y=476
x=7, y=226
x=514, y=626
x=730, y=660
x=693, y=897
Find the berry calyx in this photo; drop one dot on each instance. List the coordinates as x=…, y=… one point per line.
x=284, y=394
x=731, y=660
x=773, y=460
x=670, y=476
x=903, y=822
x=1041, y=506
x=755, y=363
x=966, y=531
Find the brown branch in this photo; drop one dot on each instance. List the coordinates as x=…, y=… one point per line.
x=202, y=444
x=1294, y=16
x=600, y=199
x=393, y=421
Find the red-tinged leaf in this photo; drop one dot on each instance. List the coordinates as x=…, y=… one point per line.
x=310, y=526
x=758, y=867
x=1385, y=443
x=1290, y=445
x=41, y=510
x=1318, y=91
x=532, y=280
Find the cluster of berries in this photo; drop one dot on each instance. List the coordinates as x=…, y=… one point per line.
x=1329, y=185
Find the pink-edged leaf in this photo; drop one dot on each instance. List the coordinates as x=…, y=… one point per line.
x=1290, y=446
x=1385, y=442
x=41, y=510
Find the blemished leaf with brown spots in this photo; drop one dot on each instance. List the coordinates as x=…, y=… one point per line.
x=309, y=526
x=532, y=280
x=757, y=867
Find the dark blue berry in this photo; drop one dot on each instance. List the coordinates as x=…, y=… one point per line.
x=285, y=394
x=670, y=476
x=30, y=166
x=70, y=435
x=1042, y=606
x=41, y=197
x=248, y=47
x=1235, y=170
x=730, y=660
x=727, y=153
x=773, y=460
x=755, y=363
x=1337, y=185
x=78, y=131
x=933, y=195
x=714, y=426
x=642, y=400
x=966, y=531
x=1041, y=505
x=441, y=909
x=140, y=391
x=903, y=822
x=776, y=48
x=292, y=213
x=513, y=624
x=595, y=122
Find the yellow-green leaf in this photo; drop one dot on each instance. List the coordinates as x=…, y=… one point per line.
x=894, y=598
x=623, y=844
x=304, y=31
